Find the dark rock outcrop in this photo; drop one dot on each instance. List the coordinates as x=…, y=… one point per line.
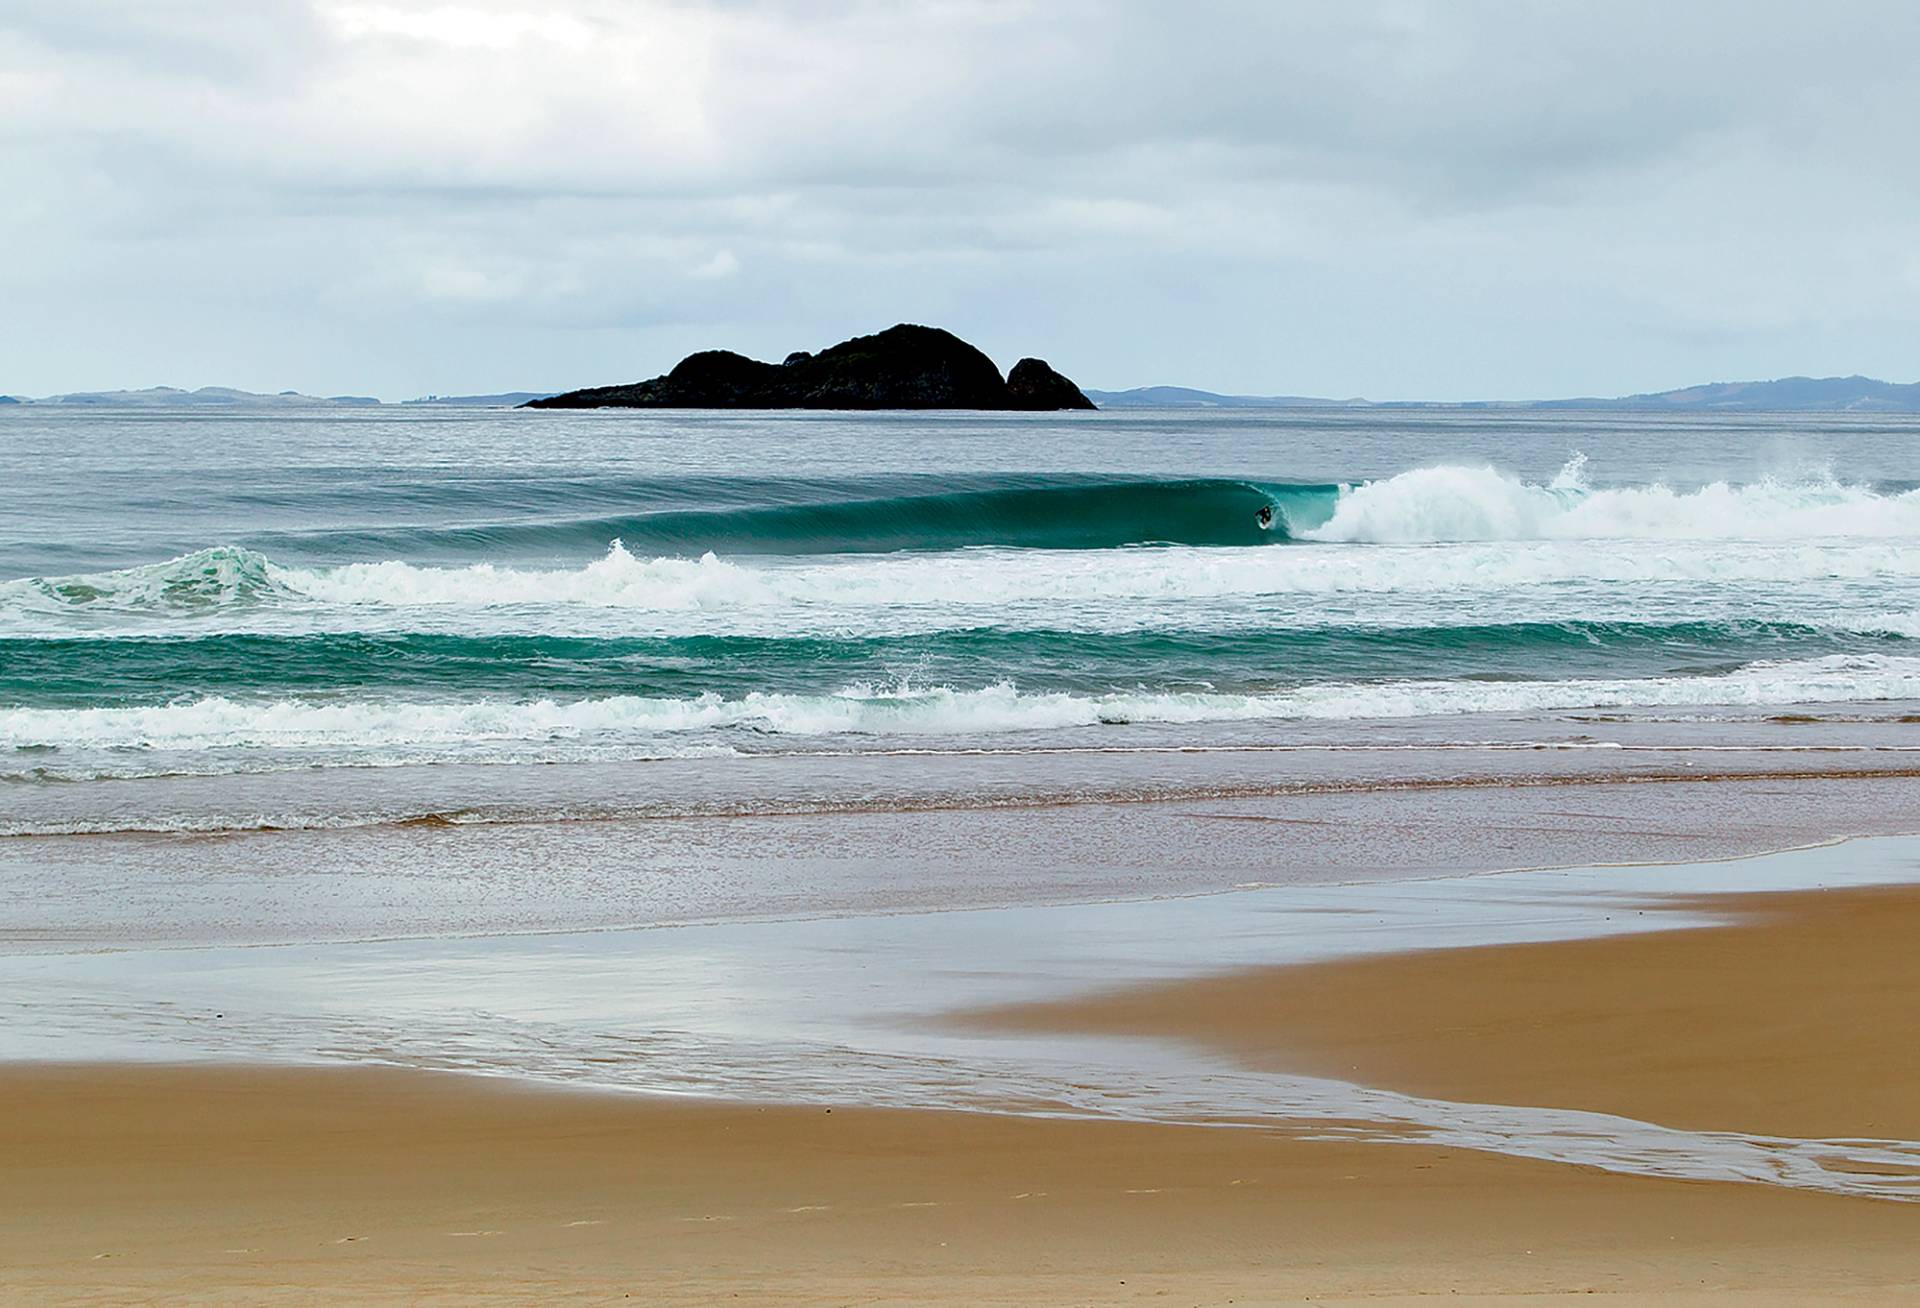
x=1033, y=385
x=904, y=367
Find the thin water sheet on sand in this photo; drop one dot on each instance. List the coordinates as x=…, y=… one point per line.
x=221, y=1183
x=851, y=1009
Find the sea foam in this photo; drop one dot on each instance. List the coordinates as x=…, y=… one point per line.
x=354, y=727
x=1451, y=503
x=1122, y=589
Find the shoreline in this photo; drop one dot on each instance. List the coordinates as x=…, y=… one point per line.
x=968, y=798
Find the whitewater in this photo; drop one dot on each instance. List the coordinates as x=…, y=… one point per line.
x=372, y=733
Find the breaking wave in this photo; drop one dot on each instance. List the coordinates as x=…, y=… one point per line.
x=1452, y=503
x=1054, y=542
x=1016, y=512
x=242, y=589
x=347, y=728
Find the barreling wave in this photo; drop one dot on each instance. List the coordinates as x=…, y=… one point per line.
x=1010, y=512
x=1442, y=503
x=371, y=731
x=1491, y=547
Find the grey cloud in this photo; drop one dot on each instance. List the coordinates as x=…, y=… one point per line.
x=1389, y=198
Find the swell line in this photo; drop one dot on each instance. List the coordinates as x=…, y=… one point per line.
x=111, y=669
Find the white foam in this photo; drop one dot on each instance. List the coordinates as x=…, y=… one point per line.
x=617, y=580
x=351, y=728
x=1832, y=582
x=1452, y=503
x=913, y=590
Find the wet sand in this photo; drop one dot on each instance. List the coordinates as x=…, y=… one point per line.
x=374, y=1186
x=1405, y=816
x=249, y=1185
x=1800, y=1018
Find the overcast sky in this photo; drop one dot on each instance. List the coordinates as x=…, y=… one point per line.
x=1397, y=200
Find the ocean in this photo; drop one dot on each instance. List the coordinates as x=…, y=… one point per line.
x=339, y=611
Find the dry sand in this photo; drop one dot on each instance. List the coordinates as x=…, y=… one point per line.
x=357, y=1186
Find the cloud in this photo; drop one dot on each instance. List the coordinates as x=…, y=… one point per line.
x=722, y=264
x=459, y=26
x=1393, y=198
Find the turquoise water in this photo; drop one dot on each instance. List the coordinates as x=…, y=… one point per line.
x=242, y=593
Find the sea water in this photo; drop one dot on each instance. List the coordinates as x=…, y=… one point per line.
x=239, y=593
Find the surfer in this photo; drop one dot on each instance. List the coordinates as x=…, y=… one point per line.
x=1265, y=516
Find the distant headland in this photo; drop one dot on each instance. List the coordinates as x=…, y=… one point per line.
x=1786, y=395
x=903, y=367
x=207, y=397
x=1031, y=385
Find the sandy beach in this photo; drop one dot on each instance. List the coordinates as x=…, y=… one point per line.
x=251, y=1186
x=295, y=1185
x=1795, y=1020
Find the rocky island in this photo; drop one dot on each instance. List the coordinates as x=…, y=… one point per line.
x=903, y=367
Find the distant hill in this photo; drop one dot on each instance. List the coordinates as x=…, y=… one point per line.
x=1185, y=397
x=503, y=400
x=225, y=397
x=1786, y=395
x=207, y=397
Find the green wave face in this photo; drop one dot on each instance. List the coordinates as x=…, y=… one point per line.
x=805, y=519
x=1097, y=516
